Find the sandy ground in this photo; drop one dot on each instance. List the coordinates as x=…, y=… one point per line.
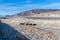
x=48, y=25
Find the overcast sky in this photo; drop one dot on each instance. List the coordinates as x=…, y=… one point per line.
x=9, y=7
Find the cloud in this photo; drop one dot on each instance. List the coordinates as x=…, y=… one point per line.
x=51, y=5
x=9, y=6
x=28, y=1
x=8, y=9
x=18, y=7
x=31, y=5
x=15, y=6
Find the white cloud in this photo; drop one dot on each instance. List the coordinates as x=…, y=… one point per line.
x=31, y=5
x=28, y=1
x=8, y=6
x=7, y=9
x=51, y=5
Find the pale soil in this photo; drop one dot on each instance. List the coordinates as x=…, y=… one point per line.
x=48, y=30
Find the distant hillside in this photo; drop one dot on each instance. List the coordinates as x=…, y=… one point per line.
x=37, y=12
x=2, y=17
x=5, y=16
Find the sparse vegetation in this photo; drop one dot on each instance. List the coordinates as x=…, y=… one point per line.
x=40, y=29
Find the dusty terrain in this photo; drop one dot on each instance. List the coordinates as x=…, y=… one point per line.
x=43, y=30
x=39, y=24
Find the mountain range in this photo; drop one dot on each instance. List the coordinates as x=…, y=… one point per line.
x=36, y=12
